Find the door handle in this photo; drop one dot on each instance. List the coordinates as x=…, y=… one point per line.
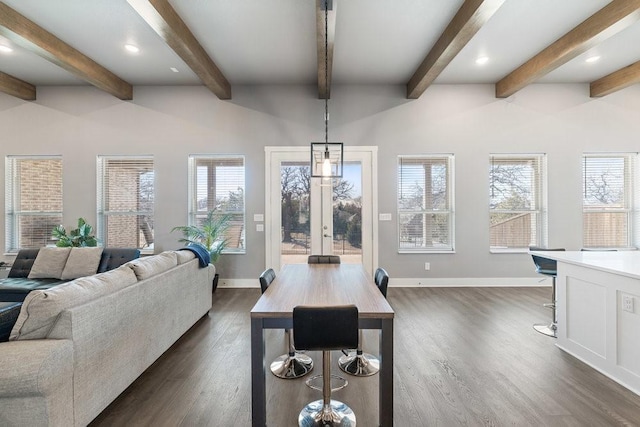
x=326, y=235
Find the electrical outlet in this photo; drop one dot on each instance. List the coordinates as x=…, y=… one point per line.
x=427, y=266
x=627, y=303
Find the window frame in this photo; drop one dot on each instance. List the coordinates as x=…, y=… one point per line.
x=102, y=213
x=13, y=241
x=194, y=212
x=540, y=199
x=631, y=191
x=449, y=210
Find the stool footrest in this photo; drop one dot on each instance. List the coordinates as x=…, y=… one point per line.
x=311, y=382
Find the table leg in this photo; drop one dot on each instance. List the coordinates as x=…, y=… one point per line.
x=258, y=381
x=386, y=374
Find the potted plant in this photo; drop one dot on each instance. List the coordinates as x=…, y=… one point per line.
x=78, y=237
x=210, y=234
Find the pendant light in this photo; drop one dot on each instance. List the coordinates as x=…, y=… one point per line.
x=326, y=157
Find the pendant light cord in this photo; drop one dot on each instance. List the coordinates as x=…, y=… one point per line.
x=326, y=74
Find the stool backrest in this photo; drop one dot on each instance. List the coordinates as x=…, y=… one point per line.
x=323, y=259
x=266, y=278
x=325, y=328
x=381, y=277
x=545, y=265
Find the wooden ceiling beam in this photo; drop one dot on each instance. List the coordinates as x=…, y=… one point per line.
x=611, y=19
x=324, y=84
x=615, y=81
x=16, y=87
x=30, y=36
x=164, y=20
x=471, y=16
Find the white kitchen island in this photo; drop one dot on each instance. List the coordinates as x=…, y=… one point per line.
x=598, y=306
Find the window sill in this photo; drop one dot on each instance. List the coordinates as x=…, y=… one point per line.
x=422, y=252
x=509, y=251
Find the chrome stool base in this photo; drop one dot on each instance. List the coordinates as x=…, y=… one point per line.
x=335, y=414
x=548, y=330
x=360, y=365
x=291, y=367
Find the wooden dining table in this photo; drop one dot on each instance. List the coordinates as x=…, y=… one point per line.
x=321, y=285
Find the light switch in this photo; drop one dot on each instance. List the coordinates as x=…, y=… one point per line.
x=384, y=217
x=258, y=217
x=259, y=227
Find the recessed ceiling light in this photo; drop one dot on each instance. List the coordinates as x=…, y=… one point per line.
x=174, y=69
x=592, y=59
x=482, y=60
x=131, y=48
x=5, y=49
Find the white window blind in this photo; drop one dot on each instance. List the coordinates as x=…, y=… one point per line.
x=425, y=203
x=217, y=182
x=517, y=201
x=33, y=200
x=609, y=211
x=125, y=201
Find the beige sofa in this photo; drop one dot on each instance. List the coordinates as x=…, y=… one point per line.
x=77, y=346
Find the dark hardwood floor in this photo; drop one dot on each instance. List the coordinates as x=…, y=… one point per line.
x=463, y=356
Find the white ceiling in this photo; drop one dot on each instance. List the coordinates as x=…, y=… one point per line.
x=274, y=42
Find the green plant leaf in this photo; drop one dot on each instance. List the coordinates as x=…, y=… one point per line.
x=81, y=236
x=210, y=234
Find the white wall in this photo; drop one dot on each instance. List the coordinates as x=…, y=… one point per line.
x=467, y=120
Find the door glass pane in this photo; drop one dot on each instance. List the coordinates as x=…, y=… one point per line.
x=347, y=214
x=295, y=184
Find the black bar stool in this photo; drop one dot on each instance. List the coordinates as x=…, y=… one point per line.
x=359, y=363
x=291, y=364
x=326, y=329
x=548, y=267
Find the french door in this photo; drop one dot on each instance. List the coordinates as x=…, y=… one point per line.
x=307, y=215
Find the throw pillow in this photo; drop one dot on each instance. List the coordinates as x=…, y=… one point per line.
x=82, y=262
x=41, y=308
x=150, y=266
x=49, y=263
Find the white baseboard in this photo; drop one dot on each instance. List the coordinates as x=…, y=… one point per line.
x=238, y=283
x=477, y=282
x=444, y=282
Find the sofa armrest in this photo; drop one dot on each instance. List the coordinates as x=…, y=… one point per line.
x=34, y=367
x=212, y=271
x=36, y=383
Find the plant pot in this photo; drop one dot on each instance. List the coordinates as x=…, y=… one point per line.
x=215, y=282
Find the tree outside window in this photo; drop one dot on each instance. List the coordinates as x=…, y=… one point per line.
x=517, y=214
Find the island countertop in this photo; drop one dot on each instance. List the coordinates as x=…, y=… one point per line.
x=624, y=263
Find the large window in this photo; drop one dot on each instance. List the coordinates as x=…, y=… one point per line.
x=216, y=183
x=608, y=207
x=517, y=201
x=425, y=203
x=125, y=201
x=33, y=200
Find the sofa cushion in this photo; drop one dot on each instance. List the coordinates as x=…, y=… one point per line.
x=23, y=262
x=49, y=263
x=82, y=262
x=184, y=256
x=115, y=257
x=41, y=308
x=16, y=288
x=152, y=265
